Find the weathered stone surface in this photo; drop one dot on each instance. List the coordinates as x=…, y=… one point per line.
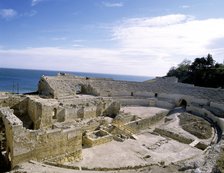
x=73, y=112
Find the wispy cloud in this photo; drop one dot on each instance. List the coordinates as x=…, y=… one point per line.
x=156, y=21
x=59, y=38
x=77, y=45
x=8, y=13
x=108, y=4
x=35, y=2
x=170, y=36
x=78, y=41
x=185, y=6
x=79, y=59
x=30, y=13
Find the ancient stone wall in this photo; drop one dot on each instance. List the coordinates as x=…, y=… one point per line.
x=133, y=101
x=24, y=144
x=217, y=105
x=67, y=85
x=98, y=137
x=41, y=111
x=141, y=124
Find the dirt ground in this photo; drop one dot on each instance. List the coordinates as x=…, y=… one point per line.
x=195, y=125
x=142, y=112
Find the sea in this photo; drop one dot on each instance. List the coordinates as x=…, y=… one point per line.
x=26, y=81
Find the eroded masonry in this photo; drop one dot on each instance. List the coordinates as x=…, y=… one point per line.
x=96, y=124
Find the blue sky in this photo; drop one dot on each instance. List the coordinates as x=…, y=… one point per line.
x=136, y=37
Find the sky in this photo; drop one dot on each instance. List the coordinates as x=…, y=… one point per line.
x=133, y=37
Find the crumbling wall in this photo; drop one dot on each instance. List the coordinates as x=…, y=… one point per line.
x=111, y=108
x=142, y=124
x=88, y=89
x=45, y=145
x=12, y=124
x=99, y=137
x=24, y=144
x=10, y=100
x=173, y=135
x=87, y=109
x=42, y=112
x=44, y=88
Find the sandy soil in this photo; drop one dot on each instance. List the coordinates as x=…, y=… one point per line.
x=142, y=112
x=148, y=149
x=36, y=167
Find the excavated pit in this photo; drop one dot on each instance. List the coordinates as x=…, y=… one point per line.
x=146, y=148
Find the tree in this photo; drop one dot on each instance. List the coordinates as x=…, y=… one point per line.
x=199, y=63
x=209, y=61
x=201, y=72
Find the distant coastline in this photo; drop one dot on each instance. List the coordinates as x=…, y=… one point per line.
x=26, y=80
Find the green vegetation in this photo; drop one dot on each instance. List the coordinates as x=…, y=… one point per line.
x=195, y=125
x=202, y=72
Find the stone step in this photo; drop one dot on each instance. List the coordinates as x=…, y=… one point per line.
x=194, y=143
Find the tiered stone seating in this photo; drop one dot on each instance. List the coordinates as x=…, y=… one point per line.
x=65, y=86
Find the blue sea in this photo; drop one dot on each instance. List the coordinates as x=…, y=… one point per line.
x=25, y=81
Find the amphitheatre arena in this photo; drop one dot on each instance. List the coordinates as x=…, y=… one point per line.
x=81, y=124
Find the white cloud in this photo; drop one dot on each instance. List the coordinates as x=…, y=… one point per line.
x=156, y=21
x=77, y=45
x=82, y=59
x=30, y=13
x=59, y=38
x=173, y=37
x=78, y=41
x=185, y=6
x=8, y=13
x=108, y=4
x=35, y=2
x=144, y=46
x=79, y=59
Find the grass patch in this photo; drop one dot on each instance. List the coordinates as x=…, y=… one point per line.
x=197, y=126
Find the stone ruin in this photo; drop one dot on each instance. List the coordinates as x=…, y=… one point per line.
x=70, y=115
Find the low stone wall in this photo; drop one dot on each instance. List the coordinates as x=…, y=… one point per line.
x=162, y=102
x=217, y=105
x=141, y=124
x=133, y=101
x=173, y=135
x=96, y=138
x=165, y=104
x=122, y=119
